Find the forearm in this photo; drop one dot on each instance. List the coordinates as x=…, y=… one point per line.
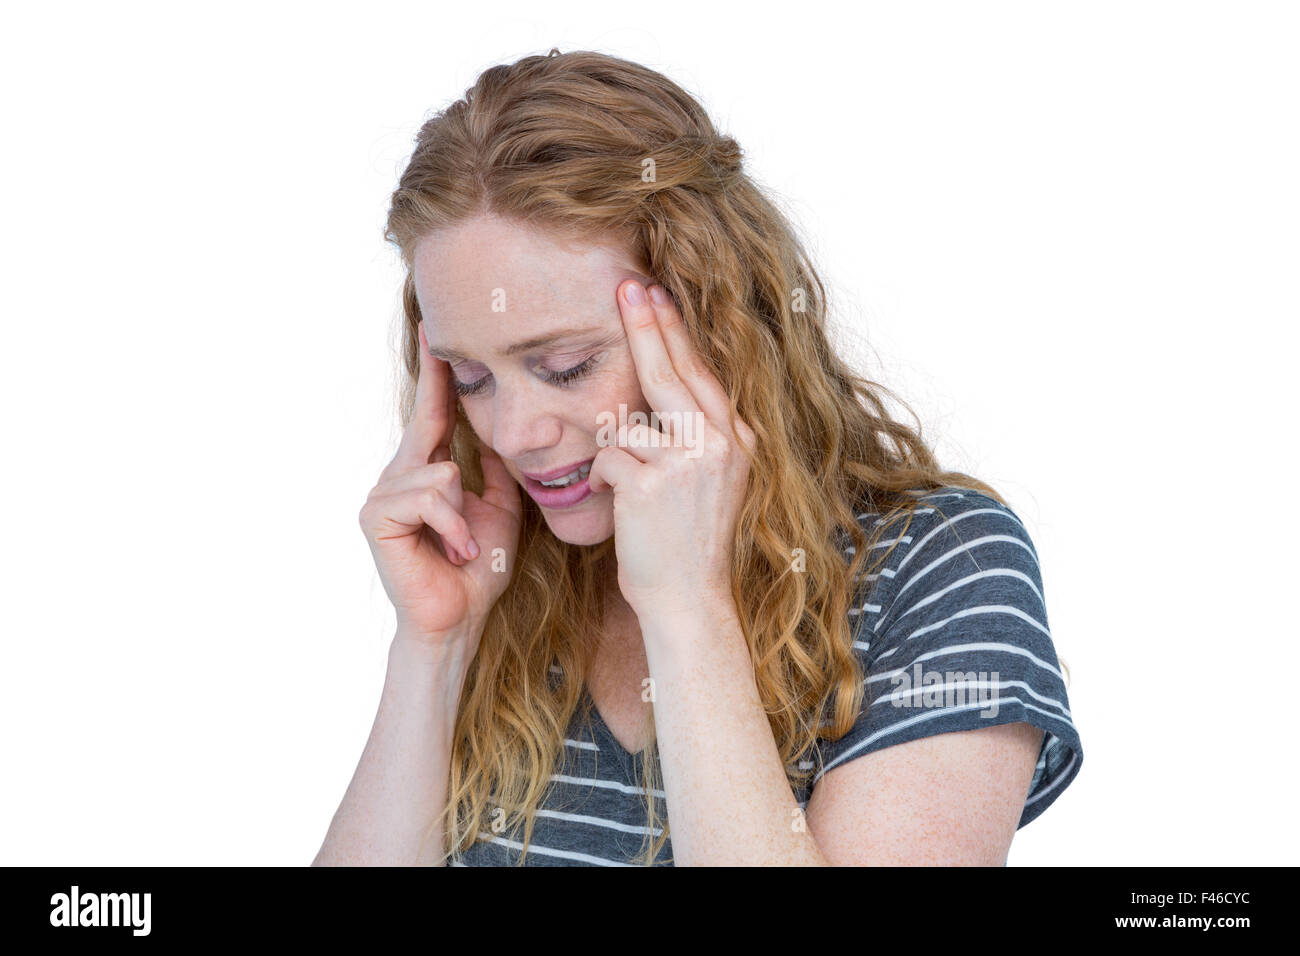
x=729, y=800
x=400, y=785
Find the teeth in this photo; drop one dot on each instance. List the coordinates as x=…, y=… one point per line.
x=570, y=478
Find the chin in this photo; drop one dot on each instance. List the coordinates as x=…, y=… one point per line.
x=587, y=524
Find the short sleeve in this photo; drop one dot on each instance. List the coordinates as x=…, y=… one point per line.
x=953, y=635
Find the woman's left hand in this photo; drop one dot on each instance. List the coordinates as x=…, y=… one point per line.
x=676, y=505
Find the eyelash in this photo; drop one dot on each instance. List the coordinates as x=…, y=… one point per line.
x=555, y=378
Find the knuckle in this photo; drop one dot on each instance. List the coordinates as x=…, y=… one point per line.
x=393, y=470
x=663, y=375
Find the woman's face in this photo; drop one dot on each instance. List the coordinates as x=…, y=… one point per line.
x=531, y=328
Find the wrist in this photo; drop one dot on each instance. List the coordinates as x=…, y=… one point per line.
x=708, y=617
x=445, y=658
x=706, y=606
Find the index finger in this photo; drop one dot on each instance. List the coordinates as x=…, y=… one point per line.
x=661, y=383
x=433, y=416
x=708, y=391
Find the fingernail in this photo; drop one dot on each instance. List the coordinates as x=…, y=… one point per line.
x=472, y=548
x=634, y=294
x=658, y=294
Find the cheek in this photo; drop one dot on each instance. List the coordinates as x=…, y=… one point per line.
x=616, y=393
x=625, y=387
x=479, y=421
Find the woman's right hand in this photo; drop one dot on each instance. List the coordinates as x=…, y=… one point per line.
x=422, y=525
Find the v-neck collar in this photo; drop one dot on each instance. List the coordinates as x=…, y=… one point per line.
x=631, y=762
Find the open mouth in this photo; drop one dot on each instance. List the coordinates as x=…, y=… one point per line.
x=562, y=491
x=571, y=478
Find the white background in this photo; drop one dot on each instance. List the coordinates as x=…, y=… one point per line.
x=1067, y=231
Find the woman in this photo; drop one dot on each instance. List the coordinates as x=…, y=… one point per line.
x=755, y=623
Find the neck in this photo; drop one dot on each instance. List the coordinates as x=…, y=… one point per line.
x=621, y=629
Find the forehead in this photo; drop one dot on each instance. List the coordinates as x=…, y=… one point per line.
x=478, y=278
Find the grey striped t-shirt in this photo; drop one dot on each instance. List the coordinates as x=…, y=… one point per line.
x=952, y=634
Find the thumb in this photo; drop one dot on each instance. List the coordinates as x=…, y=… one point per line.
x=611, y=466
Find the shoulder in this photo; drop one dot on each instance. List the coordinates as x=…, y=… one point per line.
x=952, y=633
x=958, y=544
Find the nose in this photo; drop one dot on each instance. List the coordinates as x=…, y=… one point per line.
x=524, y=424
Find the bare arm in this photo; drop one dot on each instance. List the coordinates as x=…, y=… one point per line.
x=400, y=784
x=425, y=531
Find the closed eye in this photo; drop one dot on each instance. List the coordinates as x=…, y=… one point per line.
x=569, y=374
x=561, y=378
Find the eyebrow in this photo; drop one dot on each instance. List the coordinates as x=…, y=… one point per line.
x=536, y=342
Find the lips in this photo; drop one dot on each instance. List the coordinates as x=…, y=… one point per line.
x=563, y=496
x=558, y=472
